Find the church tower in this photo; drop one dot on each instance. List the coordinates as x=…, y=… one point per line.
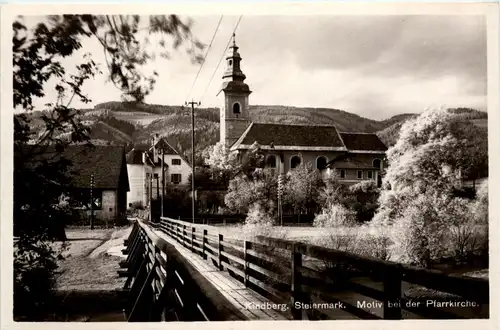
x=234, y=118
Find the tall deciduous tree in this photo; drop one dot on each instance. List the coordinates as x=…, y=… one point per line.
x=432, y=152
x=259, y=189
x=417, y=197
x=302, y=189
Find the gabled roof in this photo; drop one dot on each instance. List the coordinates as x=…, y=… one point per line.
x=362, y=142
x=134, y=157
x=105, y=163
x=290, y=137
x=161, y=144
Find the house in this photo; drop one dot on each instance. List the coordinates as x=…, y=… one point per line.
x=145, y=170
x=354, y=156
x=99, y=171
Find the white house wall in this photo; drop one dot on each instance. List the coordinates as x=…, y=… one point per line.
x=183, y=169
x=137, y=181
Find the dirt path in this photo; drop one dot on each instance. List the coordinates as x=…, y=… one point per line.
x=86, y=265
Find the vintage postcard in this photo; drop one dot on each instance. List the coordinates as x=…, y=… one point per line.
x=248, y=162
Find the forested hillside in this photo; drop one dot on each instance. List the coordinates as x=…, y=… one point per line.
x=390, y=134
x=128, y=123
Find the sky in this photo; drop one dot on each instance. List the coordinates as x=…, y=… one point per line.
x=373, y=66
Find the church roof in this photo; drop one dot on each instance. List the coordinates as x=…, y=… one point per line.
x=362, y=141
x=291, y=136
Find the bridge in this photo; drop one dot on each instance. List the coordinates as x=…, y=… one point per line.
x=178, y=271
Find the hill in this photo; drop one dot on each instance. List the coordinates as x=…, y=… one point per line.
x=390, y=134
x=134, y=123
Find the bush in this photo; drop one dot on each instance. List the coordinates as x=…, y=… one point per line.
x=479, y=208
x=35, y=265
x=364, y=196
x=434, y=228
x=362, y=242
x=257, y=216
x=335, y=215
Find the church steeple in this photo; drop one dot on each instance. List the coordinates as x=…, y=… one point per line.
x=234, y=118
x=233, y=59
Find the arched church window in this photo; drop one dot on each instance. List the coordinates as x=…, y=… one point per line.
x=295, y=161
x=236, y=108
x=230, y=62
x=321, y=163
x=377, y=163
x=271, y=161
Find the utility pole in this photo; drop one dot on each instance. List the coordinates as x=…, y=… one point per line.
x=162, y=183
x=91, y=202
x=192, y=155
x=280, y=194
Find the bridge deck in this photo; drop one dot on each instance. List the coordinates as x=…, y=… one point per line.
x=244, y=300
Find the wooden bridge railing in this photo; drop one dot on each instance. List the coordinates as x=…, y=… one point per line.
x=320, y=283
x=159, y=284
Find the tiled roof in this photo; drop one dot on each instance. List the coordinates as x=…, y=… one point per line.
x=167, y=148
x=363, y=141
x=292, y=135
x=105, y=163
x=351, y=163
x=134, y=156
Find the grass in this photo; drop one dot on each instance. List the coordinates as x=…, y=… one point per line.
x=293, y=233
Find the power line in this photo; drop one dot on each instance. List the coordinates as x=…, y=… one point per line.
x=222, y=56
x=206, y=54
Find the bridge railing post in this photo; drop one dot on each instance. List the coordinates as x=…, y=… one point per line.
x=295, y=287
x=219, y=245
x=392, y=293
x=184, y=234
x=247, y=246
x=193, y=229
x=205, y=233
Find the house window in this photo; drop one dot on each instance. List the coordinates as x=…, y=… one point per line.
x=342, y=174
x=155, y=176
x=175, y=178
x=295, y=161
x=176, y=161
x=370, y=174
x=321, y=163
x=236, y=108
x=271, y=161
x=377, y=163
x=360, y=174
x=80, y=199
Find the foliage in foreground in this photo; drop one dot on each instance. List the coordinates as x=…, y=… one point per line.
x=37, y=60
x=35, y=265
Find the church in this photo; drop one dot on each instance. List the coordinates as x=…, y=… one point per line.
x=353, y=156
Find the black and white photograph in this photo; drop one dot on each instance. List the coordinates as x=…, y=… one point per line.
x=173, y=166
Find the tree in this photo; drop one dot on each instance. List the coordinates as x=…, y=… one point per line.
x=417, y=198
x=223, y=163
x=428, y=157
x=39, y=177
x=302, y=189
x=259, y=189
x=363, y=201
